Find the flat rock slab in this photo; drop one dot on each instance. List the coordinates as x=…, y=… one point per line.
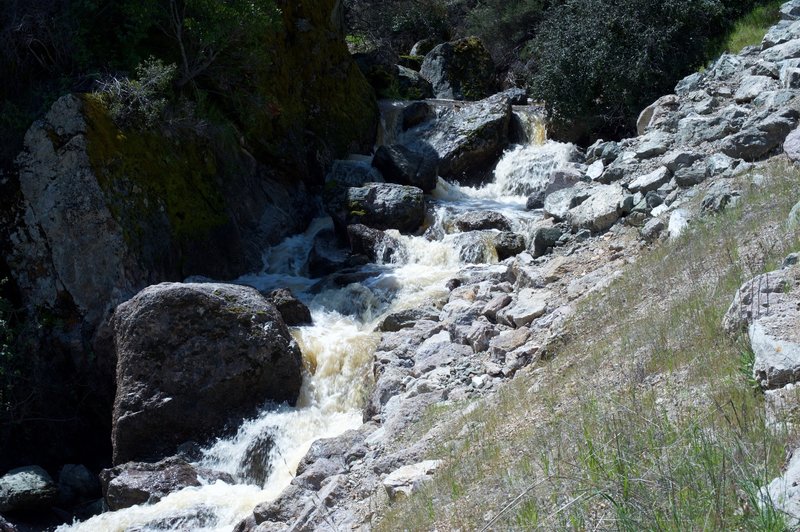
x=408, y=479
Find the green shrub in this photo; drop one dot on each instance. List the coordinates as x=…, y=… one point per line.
x=751, y=28
x=600, y=62
x=139, y=103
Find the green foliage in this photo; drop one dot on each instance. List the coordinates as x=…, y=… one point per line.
x=396, y=24
x=139, y=103
x=601, y=62
x=751, y=28
x=506, y=27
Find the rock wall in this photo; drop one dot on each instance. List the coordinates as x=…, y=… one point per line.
x=96, y=213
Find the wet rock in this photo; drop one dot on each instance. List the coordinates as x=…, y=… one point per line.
x=480, y=220
x=407, y=480
x=470, y=137
x=411, y=84
x=415, y=114
x=326, y=255
x=139, y=483
x=405, y=166
x=407, y=318
x=255, y=466
x=474, y=247
x=191, y=358
x=5, y=526
x=375, y=244
x=508, y=244
x=26, y=489
x=380, y=206
x=292, y=310
x=460, y=70
x=351, y=173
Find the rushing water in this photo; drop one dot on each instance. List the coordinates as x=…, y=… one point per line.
x=338, y=347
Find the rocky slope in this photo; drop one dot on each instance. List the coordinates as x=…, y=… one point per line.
x=498, y=319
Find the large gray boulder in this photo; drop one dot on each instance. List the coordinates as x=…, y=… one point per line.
x=767, y=306
x=380, y=206
x=191, y=358
x=791, y=145
x=783, y=493
x=600, y=211
x=25, y=489
x=470, y=137
x=143, y=483
x=558, y=204
x=460, y=70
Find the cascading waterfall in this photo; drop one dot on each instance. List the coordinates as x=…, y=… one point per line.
x=339, y=346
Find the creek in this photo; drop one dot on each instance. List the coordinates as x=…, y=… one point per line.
x=338, y=347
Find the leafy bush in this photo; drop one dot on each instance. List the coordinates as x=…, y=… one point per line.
x=139, y=103
x=396, y=24
x=601, y=62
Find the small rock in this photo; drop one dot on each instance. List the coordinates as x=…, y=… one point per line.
x=481, y=220
x=292, y=310
x=650, y=181
x=508, y=244
x=678, y=222
x=652, y=230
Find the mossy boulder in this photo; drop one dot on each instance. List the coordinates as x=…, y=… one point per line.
x=391, y=77
x=379, y=206
x=460, y=70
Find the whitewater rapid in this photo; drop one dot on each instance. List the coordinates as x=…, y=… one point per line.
x=337, y=348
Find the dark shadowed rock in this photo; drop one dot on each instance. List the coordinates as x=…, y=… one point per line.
x=293, y=311
x=374, y=244
x=479, y=220
x=77, y=484
x=380, y=206
x=255, y=466
x=190, y=359
x=139, y=483
x=460, y=70
x=508, y=244
x=405, y=166
x=544, y=239
x=416, y=113
x=407, y=318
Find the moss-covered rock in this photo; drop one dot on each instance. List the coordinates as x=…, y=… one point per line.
x=460, y=70
x=310, y=104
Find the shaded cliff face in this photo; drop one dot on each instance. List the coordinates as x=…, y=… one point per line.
x=313, y=103
x=96, y=213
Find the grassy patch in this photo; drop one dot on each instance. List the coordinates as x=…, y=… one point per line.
x=751, y=28
x=645, y=421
